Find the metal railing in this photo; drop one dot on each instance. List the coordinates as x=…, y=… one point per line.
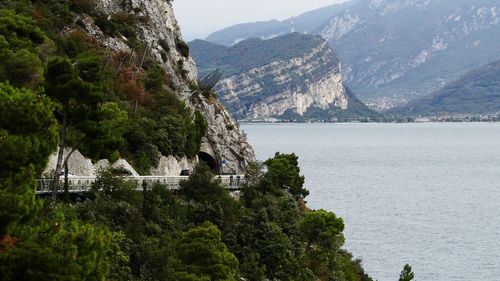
x=82, y=184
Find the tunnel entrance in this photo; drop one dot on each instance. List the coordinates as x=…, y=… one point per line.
x=209, y=160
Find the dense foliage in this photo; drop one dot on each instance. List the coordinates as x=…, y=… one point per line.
x=203, y=233
x=199, y=233
x=109, y=105
x=28, y=134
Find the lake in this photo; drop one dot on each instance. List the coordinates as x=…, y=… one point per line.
x=424, y=194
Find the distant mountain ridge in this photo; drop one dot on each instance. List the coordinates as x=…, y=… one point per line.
x=306, y=22
x=393, y=51
x=295, y=77
x=477, y=92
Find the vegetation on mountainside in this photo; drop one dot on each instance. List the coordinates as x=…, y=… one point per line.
x=477, y=92
x=109, y=105
x=252, y=52
x=199, y=233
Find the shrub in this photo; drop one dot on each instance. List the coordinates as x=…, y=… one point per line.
x=182, y=47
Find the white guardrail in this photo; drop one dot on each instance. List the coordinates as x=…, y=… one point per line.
x=84, y=184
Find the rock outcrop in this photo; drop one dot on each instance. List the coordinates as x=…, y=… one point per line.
x=172, y=166
x=81, y=166
x=266, y=79
x=78, y=165
x=161, y=34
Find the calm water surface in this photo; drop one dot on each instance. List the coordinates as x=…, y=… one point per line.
x=424, y=194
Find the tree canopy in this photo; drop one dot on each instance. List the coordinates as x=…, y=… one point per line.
x=28, y=134
x=406, y=273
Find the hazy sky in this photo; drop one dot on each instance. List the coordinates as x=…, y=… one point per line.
x=199, y=18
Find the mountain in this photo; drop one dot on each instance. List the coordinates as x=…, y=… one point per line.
x=477, y=92
x=306, y=22
x=295, y=76
x=393, y=51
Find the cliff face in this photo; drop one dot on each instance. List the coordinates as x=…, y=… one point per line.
x=271, y=89
x=161, y=34
x=268, y=78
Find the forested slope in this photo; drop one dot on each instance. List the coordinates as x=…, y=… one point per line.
x=61, y=87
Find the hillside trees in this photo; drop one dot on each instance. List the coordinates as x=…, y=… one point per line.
x=20, y=40
x=203, y=256
x=28, y=134
x=78, y=102
x=109, y=105
x=284, y=174
x=30, y=237
x=117, y=232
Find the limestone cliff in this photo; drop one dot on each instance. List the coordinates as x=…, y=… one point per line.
x=159, y=32
x=266, y=79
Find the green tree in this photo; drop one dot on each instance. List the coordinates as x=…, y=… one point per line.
x=203, y=256
x=20, y=39
x=202, y=185
x=213, y=201
x=283, y=174
x=196, y=130
x=406, y=273
x=28, y=135
x=87, y=121
x=322, y=228
x=102, y=136
x=54, y=247
x=65, y=86
x=262, y=246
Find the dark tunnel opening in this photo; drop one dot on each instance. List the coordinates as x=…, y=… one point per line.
x=209, y=160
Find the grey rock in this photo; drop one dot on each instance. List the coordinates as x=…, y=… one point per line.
x=172, y=166
x=102, y=164
x=78, y=165
x=123, y=165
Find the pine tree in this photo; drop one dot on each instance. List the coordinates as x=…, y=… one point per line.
x=406, y=274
